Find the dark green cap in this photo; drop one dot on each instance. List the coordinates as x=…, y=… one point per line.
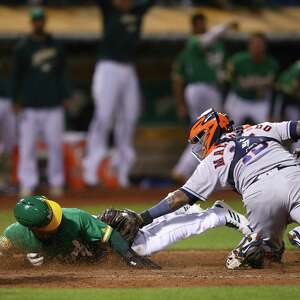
x=37, y=13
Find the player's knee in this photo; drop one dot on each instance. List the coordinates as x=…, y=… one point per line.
x=141, y=250
x=140, y=245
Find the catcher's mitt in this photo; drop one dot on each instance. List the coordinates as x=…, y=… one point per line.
x=126, y=221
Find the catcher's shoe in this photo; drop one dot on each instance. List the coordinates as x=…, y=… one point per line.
x=294, y=238
x=189, y=209
x=249, y=252
x=233, y=218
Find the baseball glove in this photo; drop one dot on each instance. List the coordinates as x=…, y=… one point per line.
x=126, y=221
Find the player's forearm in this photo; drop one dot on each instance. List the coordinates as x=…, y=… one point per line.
x=208, y=38
x=171, y=203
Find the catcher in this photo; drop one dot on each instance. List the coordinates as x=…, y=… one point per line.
x=44, y=230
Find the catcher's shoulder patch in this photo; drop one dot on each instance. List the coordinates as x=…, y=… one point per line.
x=5, y=243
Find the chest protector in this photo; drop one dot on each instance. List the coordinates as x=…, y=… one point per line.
x=243, y=146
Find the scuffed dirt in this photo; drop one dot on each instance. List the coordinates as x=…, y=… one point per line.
x=179, y=269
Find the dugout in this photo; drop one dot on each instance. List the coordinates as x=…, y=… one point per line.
x=165, y=32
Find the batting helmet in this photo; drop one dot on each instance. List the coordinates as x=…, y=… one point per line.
x=207, y=131
x=39, y=213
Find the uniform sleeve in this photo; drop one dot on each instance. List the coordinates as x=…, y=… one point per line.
x=202, y=183
x=284, y=131
x=93, y=229
x=21, y=240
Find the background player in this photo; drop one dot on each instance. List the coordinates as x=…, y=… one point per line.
x=39, y=91
x=252, y=75
x=8, y=135
x=289, y=87
x=256, y=164
x=115, y=89
x=198, y=72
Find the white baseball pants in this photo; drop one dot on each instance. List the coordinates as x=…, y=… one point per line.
x=171, y=228
x=117, y=105
x=240, y=109
x=199, y=97
x=49, y=124
x=7, y=126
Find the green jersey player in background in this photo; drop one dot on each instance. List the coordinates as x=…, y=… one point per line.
x=197, y=74
x=287, y=104
x=251, y=75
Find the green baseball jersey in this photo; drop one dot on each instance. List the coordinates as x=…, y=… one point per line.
x=39, y=79
x=288, y=81
x=198, y=64
x=122, y=30
x=251, y=80
x=76, y=236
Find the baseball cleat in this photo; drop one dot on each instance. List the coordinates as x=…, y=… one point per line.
x=233, y=218
x=249, y=252
x=189, y=209
x=294, y=238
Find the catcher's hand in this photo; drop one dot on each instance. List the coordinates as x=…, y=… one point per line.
x=139, y=262
x=126, y=221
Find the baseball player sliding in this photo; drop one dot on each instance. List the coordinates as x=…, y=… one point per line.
x=253, y=160
x=44, y=230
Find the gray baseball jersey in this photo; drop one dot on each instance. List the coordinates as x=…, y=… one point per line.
x=215, y=168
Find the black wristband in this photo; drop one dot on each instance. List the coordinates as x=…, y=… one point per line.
x=146, y=217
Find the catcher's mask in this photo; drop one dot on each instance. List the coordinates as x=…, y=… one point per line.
x=206, y=132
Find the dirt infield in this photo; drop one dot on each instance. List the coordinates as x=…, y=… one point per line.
x=179, y=269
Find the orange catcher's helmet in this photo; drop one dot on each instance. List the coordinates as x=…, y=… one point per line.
x=207, y=131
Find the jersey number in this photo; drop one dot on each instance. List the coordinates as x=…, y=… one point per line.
x=254, y=152
x=265, y=128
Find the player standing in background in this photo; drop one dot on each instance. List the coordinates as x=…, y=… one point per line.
x=251, y=75
x=288, y=85
x=115, y=89
x=197, y=74
x=39, y=91
x=7, y=135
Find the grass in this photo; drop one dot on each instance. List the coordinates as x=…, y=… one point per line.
x=205, y=293
x=218, y=238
